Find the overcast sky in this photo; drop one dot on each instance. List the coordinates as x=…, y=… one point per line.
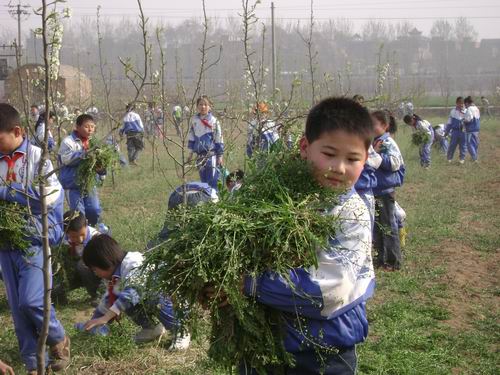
x=483, y=14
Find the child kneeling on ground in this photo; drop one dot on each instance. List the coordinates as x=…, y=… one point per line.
x=124, y=294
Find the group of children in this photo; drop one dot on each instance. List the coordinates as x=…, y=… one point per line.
x=462, y=126
x=347, y=147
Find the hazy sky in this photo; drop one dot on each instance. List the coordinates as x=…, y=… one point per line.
x=483, y=14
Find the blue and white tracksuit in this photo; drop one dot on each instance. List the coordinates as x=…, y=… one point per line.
x=472, y=122
x=425, y=149
x=261, y=138
x=455, y=127
x=133, y=128
x=39, y=136
x=205, y=140
x=441, y=138
x=127, y=284
x=367, y=180
x=390, y=174
x=22, y=272
x=326, y=305
x=69, y=157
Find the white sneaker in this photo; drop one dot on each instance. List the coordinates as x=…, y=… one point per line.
x=181, y=342
x=449, y=161
x=462, y=161
x=149, y=334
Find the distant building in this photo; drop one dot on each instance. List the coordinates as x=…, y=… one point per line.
x=74, y=86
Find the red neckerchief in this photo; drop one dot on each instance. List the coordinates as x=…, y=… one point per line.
x=11, y=162
x=111, y=295
x=85, y=141
x=206, y=123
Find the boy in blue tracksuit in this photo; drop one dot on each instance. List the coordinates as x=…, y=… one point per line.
x=40, y=131
x=133, y=129
x=389, y=175
x=205, y=140
x=324, y=312
x=77, y=234
x=455, y=126
x=421, y=125
x=22, y=271
x=440, y=137
x=472, y=122
x=72, y=151
x=125, y=292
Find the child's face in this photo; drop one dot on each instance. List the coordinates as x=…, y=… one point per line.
x=337, y=158
x=379, y=128
x=203, y=107
x=77, y=237
x=102, y=274
x=11, y=140
x=86, y=129
x=460, y=104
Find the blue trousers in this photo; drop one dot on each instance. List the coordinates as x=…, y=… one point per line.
x=443, y=145
x=472, y=140
x=386, y=232
x=425, y=153
x=23, y=279
x=307, y=363
x=457, y=139
x=209, y=173
x=140, y=314
x=89, y=204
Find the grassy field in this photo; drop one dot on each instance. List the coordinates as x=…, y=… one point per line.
x=438, y=315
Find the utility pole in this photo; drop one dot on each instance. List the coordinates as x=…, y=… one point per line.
x=17, y=11
x=273, y=42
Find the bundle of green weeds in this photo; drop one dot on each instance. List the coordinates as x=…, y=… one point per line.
x=98, y=159
x=13, y=226
x=274, y=222
x=420, y=138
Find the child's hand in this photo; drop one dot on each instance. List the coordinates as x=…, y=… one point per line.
x=95, y=323
x=220, y=161
x=5, y=369
x=377, y=146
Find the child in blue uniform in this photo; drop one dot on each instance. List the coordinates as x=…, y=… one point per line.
x=205, y=140
x=78, y=234
x=40, y=131
x=472, y=122
x=324, y=312
x=419, y=124
x=440, y=138
x=22, y=271
x=107, y=260
x=389, y=175
x=133, y=128
x=72, y=151
x=455, y=126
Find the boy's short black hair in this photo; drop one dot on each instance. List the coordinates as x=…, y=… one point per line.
x=459, y=98
x=339, y=114
x=74, y=221
x=235, y=176
x=468, y=100
x=103, y=252
x=80, y=120
x=9, y=117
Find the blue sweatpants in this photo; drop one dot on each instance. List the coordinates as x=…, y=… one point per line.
x=139, y=314
x=425, y=152
x=457, y=139
x=209, y=173
x=23, y=279
x=307, y=363
x=443, y=145
x=472, y=140
x=89, y=205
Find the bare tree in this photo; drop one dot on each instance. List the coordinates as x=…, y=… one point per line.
x=311, y=53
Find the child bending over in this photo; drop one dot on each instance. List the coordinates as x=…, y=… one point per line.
x=124, y=294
